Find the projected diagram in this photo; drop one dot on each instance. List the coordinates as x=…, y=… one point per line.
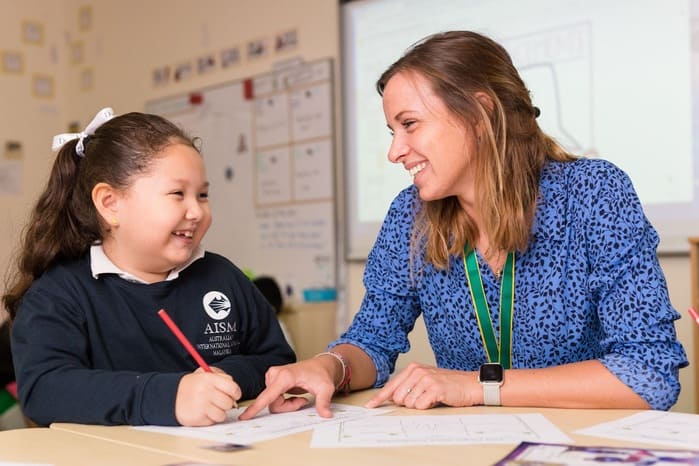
x=556, y=66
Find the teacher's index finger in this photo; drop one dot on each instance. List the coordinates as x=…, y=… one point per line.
x=263, y=400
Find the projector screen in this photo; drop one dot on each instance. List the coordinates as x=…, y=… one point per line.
x=617, y=80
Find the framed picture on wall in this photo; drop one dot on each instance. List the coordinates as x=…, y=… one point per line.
x=87, y=79
x=77, y=53
x=230, y=57
x=183, y=71
x=85, y=18
x=42, y=86
x=32, y=32
x=286, y=40
x=257, y=48
x=161, y=75
x=12, y=62
x=206, y=63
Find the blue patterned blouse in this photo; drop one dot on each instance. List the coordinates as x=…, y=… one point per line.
x=589, y=286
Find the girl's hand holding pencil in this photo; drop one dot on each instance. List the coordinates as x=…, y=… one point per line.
x=204, y=396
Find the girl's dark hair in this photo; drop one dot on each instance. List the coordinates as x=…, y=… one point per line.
x=64, y=222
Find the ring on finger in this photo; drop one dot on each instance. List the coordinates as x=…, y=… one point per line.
x=410, y=389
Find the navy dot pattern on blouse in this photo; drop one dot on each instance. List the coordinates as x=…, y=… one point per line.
x=589, y=286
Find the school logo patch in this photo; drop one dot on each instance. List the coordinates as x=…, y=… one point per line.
x=217, y=305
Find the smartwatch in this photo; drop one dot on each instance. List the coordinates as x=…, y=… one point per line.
x=491, y=376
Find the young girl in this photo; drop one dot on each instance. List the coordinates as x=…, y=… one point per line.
x=114, y=238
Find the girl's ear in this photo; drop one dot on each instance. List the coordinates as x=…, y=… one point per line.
x=106, y=200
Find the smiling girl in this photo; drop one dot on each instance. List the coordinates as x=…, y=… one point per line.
x=116, y=236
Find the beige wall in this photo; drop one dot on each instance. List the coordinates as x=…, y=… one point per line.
x=132, y=37
x=128, y=39
x=677, y=274
x=26, y=119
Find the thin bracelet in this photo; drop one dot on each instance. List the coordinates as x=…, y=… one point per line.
x=344, y=385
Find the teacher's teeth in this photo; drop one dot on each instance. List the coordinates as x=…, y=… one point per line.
x=417, y=169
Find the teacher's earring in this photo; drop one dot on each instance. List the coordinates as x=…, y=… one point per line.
x=114, y=222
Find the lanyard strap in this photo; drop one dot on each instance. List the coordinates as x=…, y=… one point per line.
x=502, y=352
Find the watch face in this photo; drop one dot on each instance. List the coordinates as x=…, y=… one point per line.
x=491, y=373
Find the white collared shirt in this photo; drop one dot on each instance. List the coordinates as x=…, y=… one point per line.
x=101, y=264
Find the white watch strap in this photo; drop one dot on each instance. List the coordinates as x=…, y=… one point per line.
x=491, y=394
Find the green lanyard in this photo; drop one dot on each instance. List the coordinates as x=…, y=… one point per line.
x=502, y=352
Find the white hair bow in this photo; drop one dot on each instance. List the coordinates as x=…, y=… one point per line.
x=101, y=118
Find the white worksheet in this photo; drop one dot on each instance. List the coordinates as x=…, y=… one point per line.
x=394, y=431
x=663, y=428
x=267, y=426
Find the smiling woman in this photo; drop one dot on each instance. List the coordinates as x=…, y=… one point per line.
x=417, y=117
x=532, y=268
x=116, y=236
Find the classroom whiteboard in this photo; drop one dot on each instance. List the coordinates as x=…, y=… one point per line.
x=616, y=80
x=268, y=146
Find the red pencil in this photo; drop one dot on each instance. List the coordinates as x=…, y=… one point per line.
x=694, y=315
x=183, y=339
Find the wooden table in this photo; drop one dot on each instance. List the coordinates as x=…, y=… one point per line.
x=294, y=450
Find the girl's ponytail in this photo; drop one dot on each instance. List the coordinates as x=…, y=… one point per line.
x=51, y=232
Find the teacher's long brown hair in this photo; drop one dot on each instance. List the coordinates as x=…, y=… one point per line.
x=511, y=153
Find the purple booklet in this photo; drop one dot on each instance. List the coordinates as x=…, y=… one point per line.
x=545, y=454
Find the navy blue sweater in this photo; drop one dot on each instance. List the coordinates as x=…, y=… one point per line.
x=95, y=351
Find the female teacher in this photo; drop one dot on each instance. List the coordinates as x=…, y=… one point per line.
x=535, y=271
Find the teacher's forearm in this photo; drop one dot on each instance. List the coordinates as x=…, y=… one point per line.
x=586, y=384
x=363, y=371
